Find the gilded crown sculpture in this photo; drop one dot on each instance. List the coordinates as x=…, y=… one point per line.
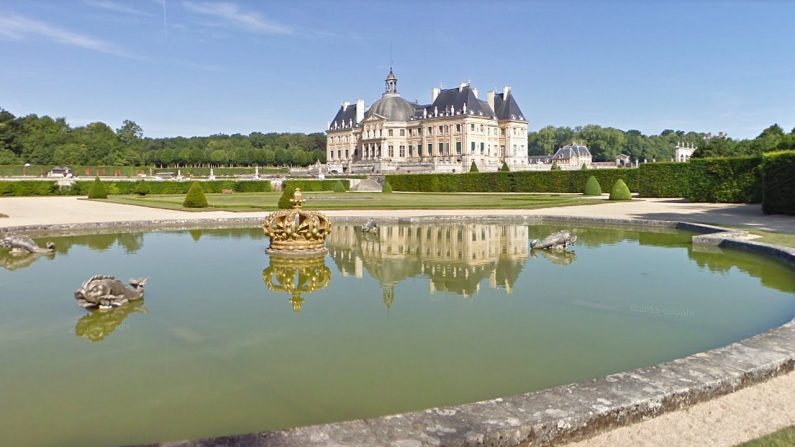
x=295, y=231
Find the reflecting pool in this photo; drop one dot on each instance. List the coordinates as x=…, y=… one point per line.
x=228, y=340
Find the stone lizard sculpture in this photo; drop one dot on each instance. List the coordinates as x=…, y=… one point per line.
x=105, y=292
x=24, y=244
x=555, y=241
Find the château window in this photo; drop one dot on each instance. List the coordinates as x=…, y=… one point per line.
x=430, y=149
x=482, y=148
x=503, y=132
x=458, y=147
x=472, y=148
x=411, y=150
x=481, y=127
x=402, y=132
x=441, y=130
x=458, y=128
x=390, y=132
x=430, y=131
x=472, y=127
x=402, y=151
x=391, y=151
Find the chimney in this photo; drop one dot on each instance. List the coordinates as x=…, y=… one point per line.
x=490, y=99
x=359, y=110
x=345, y=105
x=475, y=92
x=505, y=92
x=434, y=94
x=461, y=86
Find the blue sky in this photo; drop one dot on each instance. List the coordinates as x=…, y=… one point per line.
x=198, y=67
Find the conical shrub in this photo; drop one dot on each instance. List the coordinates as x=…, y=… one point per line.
x=592, y=187
x=387, y=187
x=287, y=194
x=504, y=167
x=473, y=167
x=620, y=191
x=97, y=190
x=195, y=197
x=338, y=187
x=142, y=188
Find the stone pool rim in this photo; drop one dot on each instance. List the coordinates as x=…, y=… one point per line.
x=559, y=414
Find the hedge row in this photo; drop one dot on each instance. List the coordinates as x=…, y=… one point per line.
x=316, y=185
x=81, y=188
x=730, y=179
x=132, y=171
x=734, y=179
x=523, y=181
x=778, y=172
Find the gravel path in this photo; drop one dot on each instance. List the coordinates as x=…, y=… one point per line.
x=725, y=421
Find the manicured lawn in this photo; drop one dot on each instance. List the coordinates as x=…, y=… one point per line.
x=785, y=239
x=782, y=438
x=333, y=201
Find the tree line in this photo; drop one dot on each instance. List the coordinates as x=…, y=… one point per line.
x=606, y=143
x=43, y=140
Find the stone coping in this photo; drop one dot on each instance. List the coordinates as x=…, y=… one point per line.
x=559, y=414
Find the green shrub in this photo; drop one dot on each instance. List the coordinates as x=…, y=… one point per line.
x=584, y=167
x=338, y=187
x=504, y=167
x=142, y=188
x=287, y=194
x=729, y=179
x=97, y=190
x=317, y=185
x=554, y=167
x=778, y=173
x=473, y=167
x=387, y=187
x=620, y=191
x=195, y=197
x=592, y=187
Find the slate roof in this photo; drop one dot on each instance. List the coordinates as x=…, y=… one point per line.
x=456, y=98
x=393, y=108
x=344, y=115
x=570, y=151
x=507, y=109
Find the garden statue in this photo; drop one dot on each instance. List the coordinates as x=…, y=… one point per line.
x=555, y=241
x=295, y=231
x=105, y=292
x=19, y=245
x=296, y=275
x=559, y=257
x=370, y=226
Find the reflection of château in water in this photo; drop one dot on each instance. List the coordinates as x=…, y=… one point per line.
x=454, y=257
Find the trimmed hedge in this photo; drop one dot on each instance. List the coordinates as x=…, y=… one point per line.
x=97, y=190
x=315, y=185
x=195, y=197
x=132, y=171
x=592, y=187
x=81, y=188
x=730, y=179
x=664, y=180
x=778, y=172
x=619, y=191
x=523, y=181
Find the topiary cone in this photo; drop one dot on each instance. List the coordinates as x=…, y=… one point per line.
x=387, y=187
x=620, y=191
x=97, y=190
x=592, y=187
x=195, y=197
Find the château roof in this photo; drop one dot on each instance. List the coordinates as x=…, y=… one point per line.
x=507, y=109
x=393, y=108
x=457, y=98
x=345, y=116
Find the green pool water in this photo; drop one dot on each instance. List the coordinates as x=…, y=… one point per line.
x=415, y=316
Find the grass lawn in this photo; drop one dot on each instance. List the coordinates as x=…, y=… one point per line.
x=326, y=200
x=768, y=237
x=782, y=438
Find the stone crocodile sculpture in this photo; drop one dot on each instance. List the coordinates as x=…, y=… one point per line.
x=555, y=241
x=105, y=292
x=19, y=245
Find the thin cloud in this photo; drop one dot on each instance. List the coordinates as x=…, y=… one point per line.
x=233, y=15
x=116, y=7
x=22, y=28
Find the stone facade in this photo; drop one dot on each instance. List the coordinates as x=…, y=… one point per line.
x=455, y=129
x=683, y=152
